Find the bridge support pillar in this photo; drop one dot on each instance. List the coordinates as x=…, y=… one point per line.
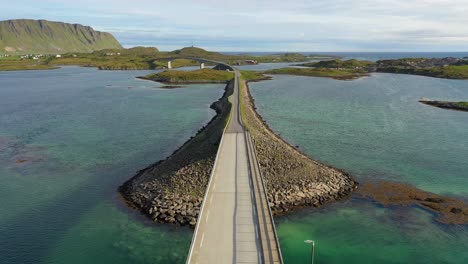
x=202, y=65
x=169, y=64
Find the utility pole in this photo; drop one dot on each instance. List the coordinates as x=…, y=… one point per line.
x=312, y=249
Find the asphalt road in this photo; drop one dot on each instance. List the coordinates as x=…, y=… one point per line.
x=229, y=229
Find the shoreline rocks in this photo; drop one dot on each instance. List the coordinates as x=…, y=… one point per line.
x=293, y=180
x=458, y=106
x=172, y=190
x=387, y=193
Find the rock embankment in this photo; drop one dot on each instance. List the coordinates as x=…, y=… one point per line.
x=459, y=106
x=172, y=190
x=293, y=180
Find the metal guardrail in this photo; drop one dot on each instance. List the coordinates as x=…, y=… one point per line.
x=268, y=204
x=247, y=135
x=250, y=139
x=207, y=191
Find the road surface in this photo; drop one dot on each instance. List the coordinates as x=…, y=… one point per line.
x=230, y=228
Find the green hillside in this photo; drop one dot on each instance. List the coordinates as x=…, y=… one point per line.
x=24, y=36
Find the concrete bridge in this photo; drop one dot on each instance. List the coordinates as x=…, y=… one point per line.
x=201, y=61
x=235, y=224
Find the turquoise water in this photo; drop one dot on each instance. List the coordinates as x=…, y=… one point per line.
x=68, y=139
x=374, y=128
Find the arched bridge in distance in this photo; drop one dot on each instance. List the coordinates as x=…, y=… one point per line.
x=235, y=224
x=201, y=61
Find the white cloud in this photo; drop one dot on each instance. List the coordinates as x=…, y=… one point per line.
x=296, y=25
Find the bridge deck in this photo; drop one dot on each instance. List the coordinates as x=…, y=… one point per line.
x=235, y=224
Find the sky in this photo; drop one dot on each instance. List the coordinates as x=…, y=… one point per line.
x=266, y=25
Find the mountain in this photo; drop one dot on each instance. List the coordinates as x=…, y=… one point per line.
x=22, y=36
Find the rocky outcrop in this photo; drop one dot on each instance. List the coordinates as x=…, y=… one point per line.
x=387, y=193
x=459, y=106
x=171, y=190
x=412, y=63
x=293, y=180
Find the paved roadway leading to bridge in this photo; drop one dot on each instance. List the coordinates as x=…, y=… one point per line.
x=229, y=229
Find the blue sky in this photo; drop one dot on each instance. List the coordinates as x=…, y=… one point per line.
x=273, y=25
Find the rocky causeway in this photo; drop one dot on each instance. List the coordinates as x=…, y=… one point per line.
x=172, y=190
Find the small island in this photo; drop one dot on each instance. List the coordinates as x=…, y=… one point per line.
x=459, y=106
x=172, y=77
x=338, y=74
x=447, y=68
x=185, y=77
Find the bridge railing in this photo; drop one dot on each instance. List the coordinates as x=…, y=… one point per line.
x=267, y=201
x=197, y=226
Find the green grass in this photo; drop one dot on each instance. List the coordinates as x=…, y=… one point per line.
x=197, y=76
x=317, y=72
x=253, y=76
x=15, y=64
x=461, y=104
x=449, y=72
x=340, y=64
x=26, y=67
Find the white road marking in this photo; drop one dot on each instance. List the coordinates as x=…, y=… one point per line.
x=207, y=215
x=202, y=238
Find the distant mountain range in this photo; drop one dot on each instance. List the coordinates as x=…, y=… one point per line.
x=22, y=36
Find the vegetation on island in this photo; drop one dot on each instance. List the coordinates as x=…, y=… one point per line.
x=196, y=76
x=460, y=106
x=340, y=64
x=20, y=65
x=27, y=36
x=138, y=58
x=254, y=76
x=448, y=68
x=339, y=74
x=447, y=72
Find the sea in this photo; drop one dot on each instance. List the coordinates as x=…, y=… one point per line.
x=70, y=137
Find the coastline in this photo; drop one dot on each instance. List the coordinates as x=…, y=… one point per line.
x=456, y=106
x=389, y=193
x=171, y=190
x=293, y=179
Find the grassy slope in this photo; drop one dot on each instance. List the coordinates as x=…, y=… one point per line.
x=317, y=72
x=449, y=72
x=462, y=104
x=197, y=76
x=340, y=64
x=253, y=76
x=6, y=65
x=234, y=59
x=41, y=36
